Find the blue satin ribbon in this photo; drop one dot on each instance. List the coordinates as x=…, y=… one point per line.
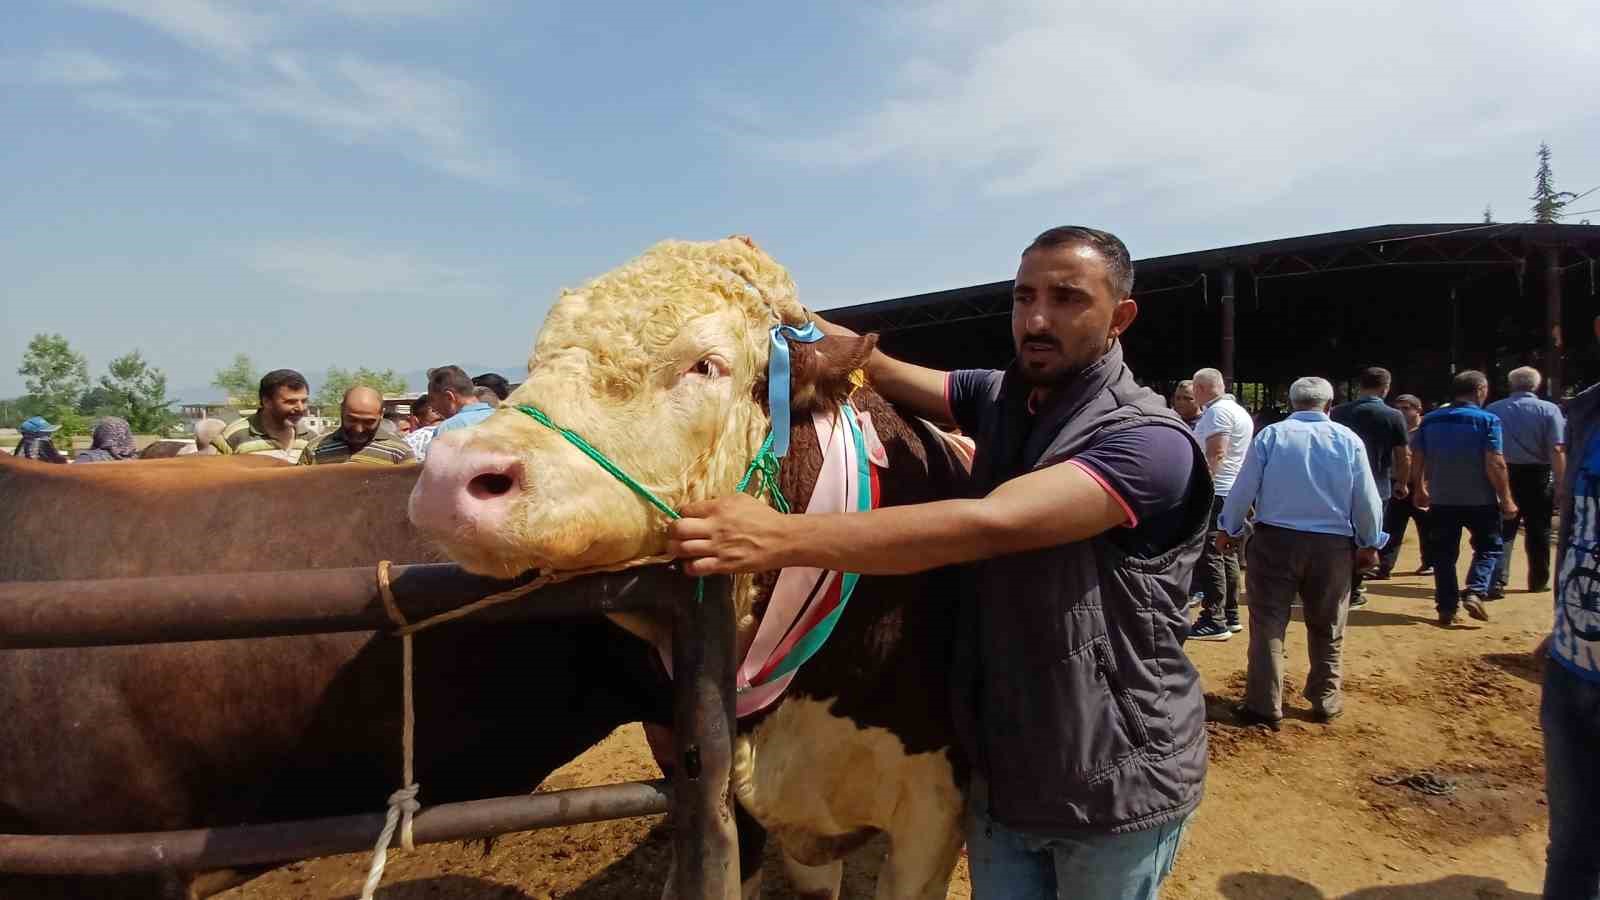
x=778, y=374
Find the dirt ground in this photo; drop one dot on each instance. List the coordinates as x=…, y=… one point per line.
x=1294, y=814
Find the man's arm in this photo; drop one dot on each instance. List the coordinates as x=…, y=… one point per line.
x=1366, y=507
x=1558, y=471
x=1055, y=505
x=1216, y=450
x=1419, y=479
x=912, y=388
x=1245, y=488
x=1500, y=479
x=1401, y=465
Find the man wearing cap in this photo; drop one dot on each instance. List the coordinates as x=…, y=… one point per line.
x=37, y=443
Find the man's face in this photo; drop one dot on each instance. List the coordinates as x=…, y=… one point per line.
x=287, y=404
x=1205, y=393
x=1183, y=403
x=1064, y=312
x=359, y=418
x=444, y=403
x=1413, y=413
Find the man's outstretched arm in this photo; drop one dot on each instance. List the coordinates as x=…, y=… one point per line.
x=1058, y=504
x=914, y=389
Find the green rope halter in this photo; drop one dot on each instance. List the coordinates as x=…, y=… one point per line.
x=765, y=464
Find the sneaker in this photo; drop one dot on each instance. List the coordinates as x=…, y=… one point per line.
x=1358, y=599
x=1539, y=588
x=1474, y=606
x=1447, y=619
x=1495, y=593
x=1235, y=626
x=1209, y=630
x=1248, y=716
x=1424, y=570
x=1380, y=575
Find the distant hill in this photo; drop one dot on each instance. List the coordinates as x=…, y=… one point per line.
x=416, y=380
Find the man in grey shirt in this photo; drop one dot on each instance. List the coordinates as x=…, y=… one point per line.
x=1536, y=456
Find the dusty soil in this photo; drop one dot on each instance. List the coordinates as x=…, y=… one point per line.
x=1294, y=814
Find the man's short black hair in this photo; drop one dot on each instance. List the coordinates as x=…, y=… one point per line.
x=493, y=382
x=419, y=406
x=1467, y=384
x=1108, y=245
x=278, y=378
x=1375, y=378
x=450, y=378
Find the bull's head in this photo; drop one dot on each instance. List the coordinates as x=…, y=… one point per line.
x=660, y=365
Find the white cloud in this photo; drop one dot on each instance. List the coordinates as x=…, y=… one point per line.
x=331, y=267
x=231, y=29
x=426, y=115
x=1236, y=102
x=82, y=68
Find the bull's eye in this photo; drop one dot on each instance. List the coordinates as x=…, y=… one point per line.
x=709, y=367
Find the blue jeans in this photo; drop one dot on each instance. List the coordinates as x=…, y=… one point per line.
x=1570, y=716
x=1011, y=865
x=1444, y=548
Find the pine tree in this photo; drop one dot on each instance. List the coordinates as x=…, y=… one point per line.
x=1548, y=202
x=1488, y=214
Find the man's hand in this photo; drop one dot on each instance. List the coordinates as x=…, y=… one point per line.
x=1224, y=543
x=1366, y=559
x=1421, y=499
x=731, y=534
x=1401, y=490
x=1508, y=508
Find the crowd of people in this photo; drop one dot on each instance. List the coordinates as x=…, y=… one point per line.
x=278, y=426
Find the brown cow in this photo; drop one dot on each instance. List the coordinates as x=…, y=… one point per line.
x=216, y=733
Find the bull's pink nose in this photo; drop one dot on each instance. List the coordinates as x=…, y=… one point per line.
x=465, y=489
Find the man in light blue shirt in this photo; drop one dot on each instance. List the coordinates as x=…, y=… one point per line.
x=1533, y=433
x=453, y=395
x=1318, y=518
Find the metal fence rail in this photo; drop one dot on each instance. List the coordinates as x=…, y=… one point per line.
x=109, y=612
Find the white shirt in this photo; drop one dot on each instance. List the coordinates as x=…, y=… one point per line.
x=1225, y=416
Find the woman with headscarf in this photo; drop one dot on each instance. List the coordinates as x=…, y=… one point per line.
x=37, y=443
x=113, y=442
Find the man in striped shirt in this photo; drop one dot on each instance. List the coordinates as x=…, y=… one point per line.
x=275, y=428
x=363, y=435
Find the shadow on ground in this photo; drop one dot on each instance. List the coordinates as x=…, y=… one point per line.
x=1526, y=666
x=1260, y=886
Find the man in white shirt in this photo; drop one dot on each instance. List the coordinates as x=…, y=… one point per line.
x=1224, y=431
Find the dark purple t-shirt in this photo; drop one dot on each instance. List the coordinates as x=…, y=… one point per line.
x=1146, y=468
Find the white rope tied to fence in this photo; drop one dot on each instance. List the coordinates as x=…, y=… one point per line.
x=403, y=802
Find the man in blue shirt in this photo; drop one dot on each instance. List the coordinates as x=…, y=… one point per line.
x=1569, y=713
x=454, y=395
x=1536, y=460
x=1318, y=517
x=1464, y=484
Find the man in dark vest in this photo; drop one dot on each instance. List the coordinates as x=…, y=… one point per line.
x=1076, y=702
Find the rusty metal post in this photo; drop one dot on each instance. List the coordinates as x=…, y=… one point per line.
x=705, y=841
x=1227, y=305
x=1553, y=345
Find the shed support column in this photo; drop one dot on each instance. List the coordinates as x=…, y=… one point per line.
x=1226, y=364
x=1553, y=345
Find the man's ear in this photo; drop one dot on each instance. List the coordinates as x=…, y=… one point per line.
x=820, y=371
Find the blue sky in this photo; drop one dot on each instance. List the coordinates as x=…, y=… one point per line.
x=401, y=183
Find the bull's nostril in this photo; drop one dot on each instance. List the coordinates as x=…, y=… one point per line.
x=489, y=486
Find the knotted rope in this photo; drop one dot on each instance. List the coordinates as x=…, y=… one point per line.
x=403, y=802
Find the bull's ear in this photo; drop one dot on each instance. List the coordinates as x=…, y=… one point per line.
x=820, y=371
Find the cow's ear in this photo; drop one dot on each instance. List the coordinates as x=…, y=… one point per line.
x=821, y=371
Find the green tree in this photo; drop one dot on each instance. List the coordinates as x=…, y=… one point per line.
x=387, y=381
x=100, y=401
x=239, y=381
x=1548, y=203
x=141, y=392
x=54, y=373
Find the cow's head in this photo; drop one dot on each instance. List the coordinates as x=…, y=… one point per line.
x=660, y=365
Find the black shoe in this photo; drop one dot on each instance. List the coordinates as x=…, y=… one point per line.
x=1474, y=606
x=1234, y=625
x=1248, y=716
x=1447, y=619
x=1495, y=593
x=1539, y=588
x=1380, y=575
x=1209, y=629
x=1358, y=600
x=1424, y=570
